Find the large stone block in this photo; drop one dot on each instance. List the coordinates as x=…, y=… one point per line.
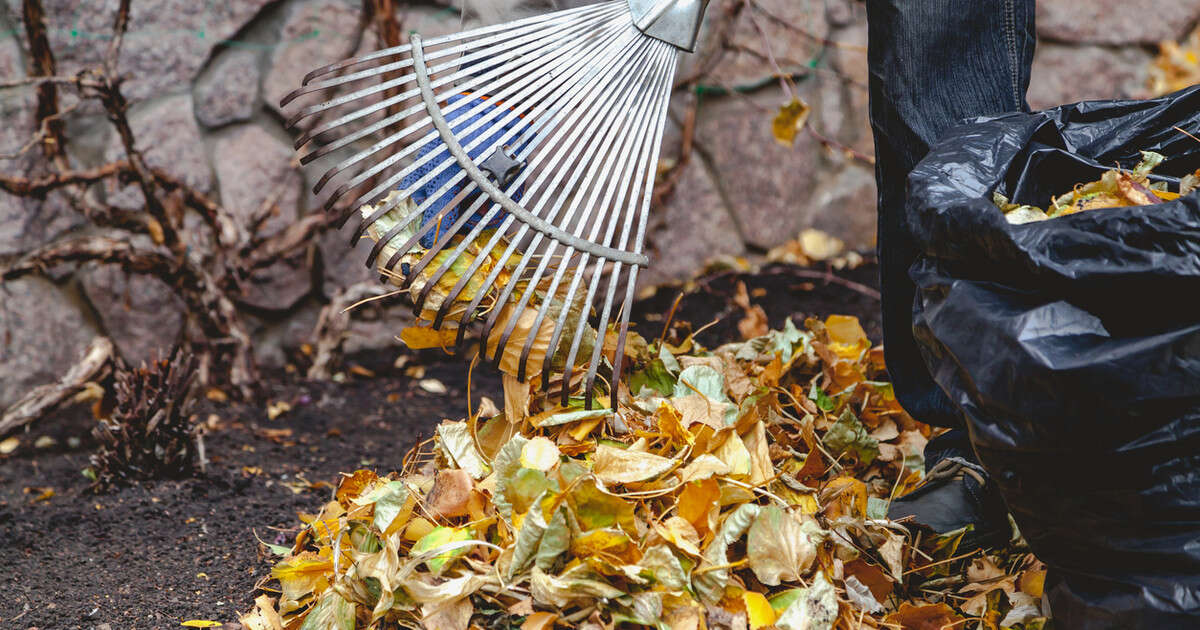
x=791, y=31
x=1067, y=74
x=254, y=167
x=166, y=134
x=166, y=44
x=42, y=333
x=1115, y=21
x=844, y=206
x=766, y=184
x=140, y=314
x=313, y=34
x=227, y=89
x=692, y=228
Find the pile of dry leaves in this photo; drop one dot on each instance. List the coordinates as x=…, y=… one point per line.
x=742, y=487
x=1177, y=65
x=1115, y=189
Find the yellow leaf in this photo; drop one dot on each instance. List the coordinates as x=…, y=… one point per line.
x=761, y=468
x=510, y=358
x=618, y=465
x=417, y=529
x=9, y=445
x=670, y=423
x=302, y=574
x=844, y=496
x=584, y=429
x=698, y=503
x=423, y=337
x=847, y=337
x=680, y=533
x=789, y=121
x=758, y=610
x=539, y=454
x=156, y=232
x=201, y=623
x=735, y=455
x=607, y=540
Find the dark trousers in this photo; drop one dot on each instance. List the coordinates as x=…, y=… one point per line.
x=933, y=63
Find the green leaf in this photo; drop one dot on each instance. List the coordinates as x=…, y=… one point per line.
x=506, y=463
x=332, y=612
x=815, y=607
x=568, y=417
x=595, y=509
x=389, y=500
x=438, y=537
x=662, y=565
x=702, y=378
x=877, y=508
x=655, y=376
x=1150, y=161
x=820, y=398
x=848, y=435
x=555, y=541
x=576, y=583
x=526, y=545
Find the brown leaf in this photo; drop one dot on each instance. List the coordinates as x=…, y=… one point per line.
x=924, y=617
x=451, y=494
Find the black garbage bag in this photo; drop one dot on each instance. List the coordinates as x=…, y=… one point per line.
x=1072, y=347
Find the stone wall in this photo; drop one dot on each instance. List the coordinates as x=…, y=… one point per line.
x=205, y=79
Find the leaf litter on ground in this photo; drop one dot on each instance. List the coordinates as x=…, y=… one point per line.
x=1117, y=188
x=744, y=487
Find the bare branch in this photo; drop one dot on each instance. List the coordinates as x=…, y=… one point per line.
x=95, y=363
x=38, y=187
x=329, y=336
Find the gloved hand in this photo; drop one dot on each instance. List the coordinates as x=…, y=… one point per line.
x=445, y=172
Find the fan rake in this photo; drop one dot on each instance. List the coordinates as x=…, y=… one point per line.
x=506, y=172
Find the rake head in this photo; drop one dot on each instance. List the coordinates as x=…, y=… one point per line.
x=505, y=173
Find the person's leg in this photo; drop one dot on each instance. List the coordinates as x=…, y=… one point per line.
x=932, y=64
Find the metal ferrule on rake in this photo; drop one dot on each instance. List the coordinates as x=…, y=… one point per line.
x=544, y=135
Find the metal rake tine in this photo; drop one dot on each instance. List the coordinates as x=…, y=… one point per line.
x=594, y=141
x=601, y=333
x=474, y=108
x=621, y=155
x=619, y=190
x=438, y=41
x=478, y=38
x=663, y=58
x=574, y=133
x=629, y=145
x=513, y=135
x=471, y=83
x=503, y=56
x=619, y=356
x=594, y=83
x=561, y=320
x=369, y=73
x=649, y=156
x=569, y=364
x=470, y=188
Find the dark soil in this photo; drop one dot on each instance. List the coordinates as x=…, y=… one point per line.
x=154, y=555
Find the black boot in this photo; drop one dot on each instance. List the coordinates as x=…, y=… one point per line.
x=956, y=492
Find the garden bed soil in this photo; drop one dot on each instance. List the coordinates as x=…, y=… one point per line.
x=157, y=554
